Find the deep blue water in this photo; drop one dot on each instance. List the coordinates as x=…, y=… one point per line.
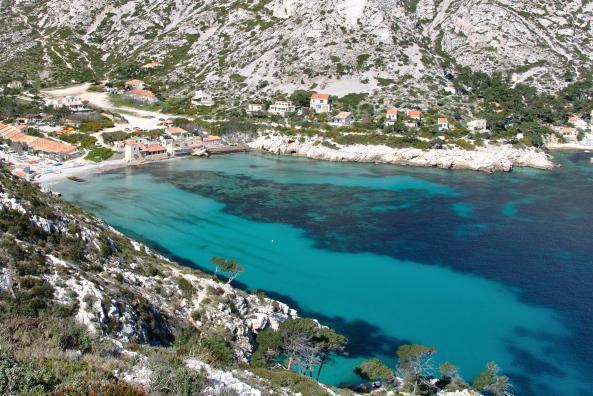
x=483, y=267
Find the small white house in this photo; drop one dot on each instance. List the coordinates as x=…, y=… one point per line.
x=477, y=126
x=321, y=103
x=255, y=108
x=391, y=116
x=443, y=124
x=570, y=134
x=202, y=98
x=344, y=118
x=73, y=103
x=282, y=107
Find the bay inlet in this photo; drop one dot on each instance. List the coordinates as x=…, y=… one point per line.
x=482, y=267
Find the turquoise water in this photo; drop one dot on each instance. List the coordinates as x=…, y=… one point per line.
x=483, y=267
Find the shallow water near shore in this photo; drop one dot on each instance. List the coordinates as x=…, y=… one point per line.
x=483, y=267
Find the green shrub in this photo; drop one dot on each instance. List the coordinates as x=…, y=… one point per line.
x=99, y=154
x=170, y=376
x=291, y=380
x=187, y=289
x=70, y=335
x=219, y=351
x=17, y=378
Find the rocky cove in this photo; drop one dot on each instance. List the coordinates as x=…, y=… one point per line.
x=489, y=158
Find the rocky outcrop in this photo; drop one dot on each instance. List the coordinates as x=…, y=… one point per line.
x=486, y=159
x=122, y=289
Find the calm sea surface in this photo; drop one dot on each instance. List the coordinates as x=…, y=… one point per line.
x=483, y=267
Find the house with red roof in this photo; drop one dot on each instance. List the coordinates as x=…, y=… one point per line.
x=578, y=122
x=443, y=124
x=321, y=103
x=414, y=114
x=144, y=152
x=142, y=96
x=391, y=116
x=570, y=134
x=177, y=133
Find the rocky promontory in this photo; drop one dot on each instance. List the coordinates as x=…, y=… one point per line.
x=489, y=158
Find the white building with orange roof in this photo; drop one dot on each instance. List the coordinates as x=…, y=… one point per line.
x=321, y=103
x=391, y=116
x=211, y=141
x=414, y=114
x=443, y=123
x=578, y=122
x=142, y=95
x=177, y=133
x=570, y=134
x=134, y=84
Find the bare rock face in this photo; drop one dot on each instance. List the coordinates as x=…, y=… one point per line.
x=341, y=46
x=504, y=35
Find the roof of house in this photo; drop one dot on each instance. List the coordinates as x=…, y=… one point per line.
x=142, y=92
x=211, y=138
x=134, y=82
x=320, y=96
x=25, y=138
x=175, y=131
x=52, y=147
x=414, y=113
x=342, y=115
x=443, y=120
x=392, y=111
x=153, y=148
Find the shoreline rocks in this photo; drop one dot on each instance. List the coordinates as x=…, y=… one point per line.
x=487, y=159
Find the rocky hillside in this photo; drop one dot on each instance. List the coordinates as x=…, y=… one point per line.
x=84, y=308
x=251, y=47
